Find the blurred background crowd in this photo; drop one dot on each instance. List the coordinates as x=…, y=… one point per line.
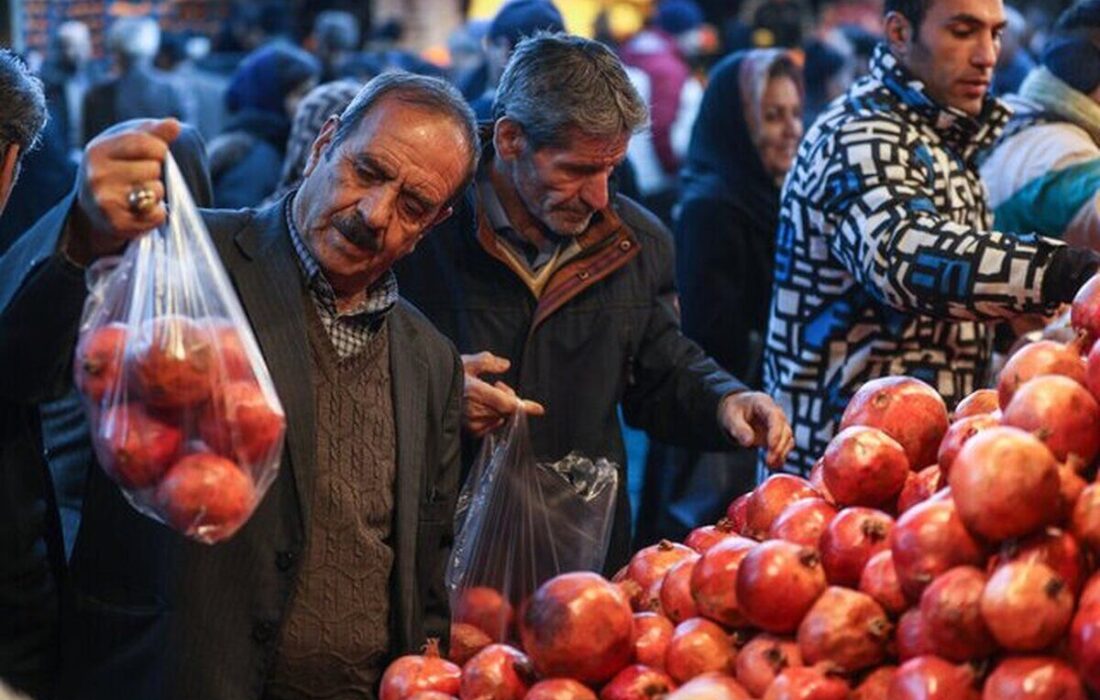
x=258, y=79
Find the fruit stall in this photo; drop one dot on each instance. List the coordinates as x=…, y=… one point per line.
x=934, y=553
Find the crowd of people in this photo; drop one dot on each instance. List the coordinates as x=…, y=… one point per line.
x=715, y=231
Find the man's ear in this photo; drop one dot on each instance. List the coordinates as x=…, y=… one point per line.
x=509, y=141
x=321, y=143
x=899, y=33
x=9, y=171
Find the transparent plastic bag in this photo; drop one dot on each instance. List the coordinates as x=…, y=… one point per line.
x=183, y=412
x=520, y=522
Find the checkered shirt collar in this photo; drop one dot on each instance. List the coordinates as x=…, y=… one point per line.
x=380, y=298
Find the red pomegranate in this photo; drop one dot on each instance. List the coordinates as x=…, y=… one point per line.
x=1084, y=640
x=737, y=513
x=864, y=467
x=1084, y=314
x=951, y=610
x=486, y=609
x=413, y=673
x=714, y=581
x=703, y=538
x=174, y=363
x=769, y=499
x=957, y=435
x=98, y=363
x=206, y=496
x=466, y=640
x=580, y=626
x=649, y=565
x=1070, y=486
x=239, y=422
x=1092, y=370
x=777, y=583
x=1056, y=548
x=1033, y=677
x=1035, y=360
x=230, y=348
x=559, y=689
x=698, y=646
x=710, y=686
x=497, y=672
x=1005, y=483
x=652, y=633
x=1026, y=606
x=845, y=628
x=637, y=682
x=919, y=486
x=431, y=695
x=817, y=480
x=1086, y=518
x=911, y=637
x=880, y=581
x=135, y=448
x=977, y=403
x=762, y=659
x=876, y=685
x=854, y=536
x=1061, y=413
x=933, y=678
x=803, y=522
x=807, y=683
x=927, y=540
x=907, y=410
x=677, y=602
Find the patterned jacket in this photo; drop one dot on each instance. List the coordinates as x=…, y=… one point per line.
x=886, y=263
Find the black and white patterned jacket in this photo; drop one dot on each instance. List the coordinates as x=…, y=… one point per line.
x=886, y=263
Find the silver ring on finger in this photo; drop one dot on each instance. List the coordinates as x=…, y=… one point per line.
x=141, y=200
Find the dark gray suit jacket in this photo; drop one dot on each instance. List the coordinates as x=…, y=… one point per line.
x=154, y=615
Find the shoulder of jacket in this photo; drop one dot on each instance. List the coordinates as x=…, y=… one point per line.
x=431, y=338
x=644, y=223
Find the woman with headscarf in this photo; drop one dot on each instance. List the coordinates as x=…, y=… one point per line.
x=263, y=95
x=743, y=144
x=313, y=111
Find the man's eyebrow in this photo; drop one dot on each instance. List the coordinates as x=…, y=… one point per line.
x=372, y=163
x=973, y=21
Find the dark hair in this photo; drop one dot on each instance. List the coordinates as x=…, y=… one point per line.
x=557, y=82
x=912, y=10
x=22, y=103
x=433, y=94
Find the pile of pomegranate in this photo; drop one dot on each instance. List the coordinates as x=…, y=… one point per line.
x=928, y=557
x=180, y=420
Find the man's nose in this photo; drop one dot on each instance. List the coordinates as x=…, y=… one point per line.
x=595, y=192
x=376, y=208
x=985, y=53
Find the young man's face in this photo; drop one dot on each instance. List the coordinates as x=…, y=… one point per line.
x=954, y=50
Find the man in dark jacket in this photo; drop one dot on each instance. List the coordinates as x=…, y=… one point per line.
x=566, y=291
x=30, y=555
x=138, y=89
x=372, y=393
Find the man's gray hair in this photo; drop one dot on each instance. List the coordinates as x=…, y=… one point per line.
x=556, y=83
x=22, y=104
x=134, y=37
x=432, y=94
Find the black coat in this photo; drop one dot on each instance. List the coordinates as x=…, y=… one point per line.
x=608, y=334
x=154, y=615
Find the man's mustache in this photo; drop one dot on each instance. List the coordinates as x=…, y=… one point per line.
x=359, y=233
